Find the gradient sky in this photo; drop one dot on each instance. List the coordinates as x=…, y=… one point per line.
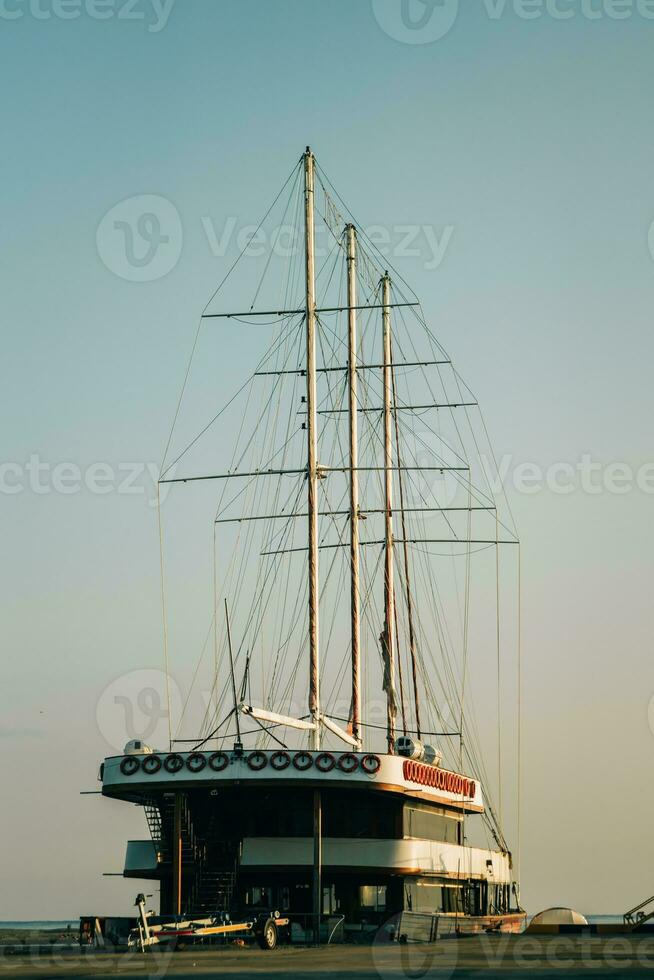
x=532, y=140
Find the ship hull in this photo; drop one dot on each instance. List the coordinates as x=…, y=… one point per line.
x=242, y=837
x=473, y=925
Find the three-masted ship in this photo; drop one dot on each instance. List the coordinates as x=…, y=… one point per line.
x=290, y=802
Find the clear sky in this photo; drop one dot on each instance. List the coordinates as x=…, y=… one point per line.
x=520, y=137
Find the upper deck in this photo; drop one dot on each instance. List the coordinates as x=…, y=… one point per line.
x=136, y=777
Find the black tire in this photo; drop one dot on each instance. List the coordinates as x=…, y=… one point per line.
x=348, y=762
x=218, y=761
x=196, y=762
x=173, y=763
x=257, y=761
x=267, y=937
x=129, y=765
x=325, y=762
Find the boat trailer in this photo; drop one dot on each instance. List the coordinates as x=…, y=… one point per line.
x=269, y=929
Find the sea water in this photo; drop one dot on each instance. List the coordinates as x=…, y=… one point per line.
x=40, y=924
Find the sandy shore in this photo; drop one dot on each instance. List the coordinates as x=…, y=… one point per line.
x=29, y=937
x=516, y=957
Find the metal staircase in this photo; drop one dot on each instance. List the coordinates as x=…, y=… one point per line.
x=214, y=890
x=211, y=863
x=153, y=817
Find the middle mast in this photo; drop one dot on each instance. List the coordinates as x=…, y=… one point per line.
x=312, y=448
x=351, y=237
x=388, y=646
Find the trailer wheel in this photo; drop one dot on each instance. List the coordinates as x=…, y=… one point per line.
x=267, y=938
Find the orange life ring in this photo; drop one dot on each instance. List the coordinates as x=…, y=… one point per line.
x=437, y=778
x=370, y=764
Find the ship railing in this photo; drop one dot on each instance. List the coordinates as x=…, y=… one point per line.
x=637, y=915
x=317, y=930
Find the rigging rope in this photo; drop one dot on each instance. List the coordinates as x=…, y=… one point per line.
x=296, y=171
x=164, y=619
x=270, y=629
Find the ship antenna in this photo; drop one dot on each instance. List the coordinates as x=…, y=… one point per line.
x=354, y=478
x=312, y=451
x=388, y=650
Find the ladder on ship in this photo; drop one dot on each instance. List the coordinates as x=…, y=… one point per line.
x=214, y=890
x=153, y=817
x=215, y=880
x=160, y=819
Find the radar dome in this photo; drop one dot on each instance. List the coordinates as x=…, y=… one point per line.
x=136, y=747
x=559, y=917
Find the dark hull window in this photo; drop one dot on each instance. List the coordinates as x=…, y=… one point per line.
x=360, y=816
x=290, y=814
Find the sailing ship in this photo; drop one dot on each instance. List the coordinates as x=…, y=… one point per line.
x=335, y=773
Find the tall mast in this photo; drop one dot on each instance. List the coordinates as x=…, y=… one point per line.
x=354, y=478
x=312, y=451
x=389, y=592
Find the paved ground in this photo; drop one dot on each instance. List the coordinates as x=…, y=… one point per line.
x=516, y=957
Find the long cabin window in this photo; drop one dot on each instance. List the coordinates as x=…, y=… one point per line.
x=428, y=824
x=425, y=895
x=372, y=898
